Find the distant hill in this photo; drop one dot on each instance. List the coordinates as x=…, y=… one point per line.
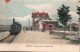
x=4, y=25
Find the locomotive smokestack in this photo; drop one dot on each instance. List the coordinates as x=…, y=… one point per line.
x=13, y=20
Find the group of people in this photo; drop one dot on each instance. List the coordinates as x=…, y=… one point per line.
x=30, y=29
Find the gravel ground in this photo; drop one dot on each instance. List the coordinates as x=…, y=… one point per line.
x=4, y=34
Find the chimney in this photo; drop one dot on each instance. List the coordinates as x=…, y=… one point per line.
x=13, y=20
x=43, y=12
x=37, y=12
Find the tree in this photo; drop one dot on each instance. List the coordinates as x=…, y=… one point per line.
x=78, y=12
x=57, y=23
x=63, y=15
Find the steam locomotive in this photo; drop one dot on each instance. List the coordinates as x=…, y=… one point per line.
x=15, y=28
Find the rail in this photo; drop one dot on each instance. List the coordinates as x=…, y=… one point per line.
x=8, y=39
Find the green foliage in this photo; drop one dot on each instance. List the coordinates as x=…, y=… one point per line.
x=74, y=28
x=60, y=26
x=57, y=24
x=79, y=20
x=68, y=26
x=63, y=15
x=78, y=10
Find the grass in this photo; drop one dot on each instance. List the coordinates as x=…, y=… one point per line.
x=3, y=30
x=66, y=38
x=75, y=41
x=71, y=40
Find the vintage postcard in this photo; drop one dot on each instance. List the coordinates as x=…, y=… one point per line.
x=40, y=25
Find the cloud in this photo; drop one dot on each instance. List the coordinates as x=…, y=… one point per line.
x=74, y=0
x=77, y=0
x=74, y=14
x=42, y=8
x=21, y=19
x=3, y=18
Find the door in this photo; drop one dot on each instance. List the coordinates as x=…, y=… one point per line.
x=50, y=27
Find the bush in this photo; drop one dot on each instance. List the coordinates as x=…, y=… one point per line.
x=60, y=26
x=74, y=28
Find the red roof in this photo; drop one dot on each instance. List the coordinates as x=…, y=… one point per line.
x=40, y=14
x=74, y=24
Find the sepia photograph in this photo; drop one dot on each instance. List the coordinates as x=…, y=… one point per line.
x=40, y=23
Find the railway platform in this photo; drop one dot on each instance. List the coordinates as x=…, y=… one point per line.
x=37, y=37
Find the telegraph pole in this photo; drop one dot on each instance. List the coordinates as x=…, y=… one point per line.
x=70, y=26
x=70, y=29
x=29, y=23
x=79, y=33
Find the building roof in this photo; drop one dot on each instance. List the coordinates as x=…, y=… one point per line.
x=43, y=17
x=49, y=20
x=35, y=14
x=74, y=24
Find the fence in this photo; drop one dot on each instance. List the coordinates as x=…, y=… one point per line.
x=73, y=35
x=62, y=29
x=4, y=28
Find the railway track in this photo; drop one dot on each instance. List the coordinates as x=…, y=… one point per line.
x=8, y=39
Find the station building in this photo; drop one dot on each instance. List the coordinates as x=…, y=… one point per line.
x=42, y=21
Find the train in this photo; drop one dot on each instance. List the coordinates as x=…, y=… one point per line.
x=15, y=28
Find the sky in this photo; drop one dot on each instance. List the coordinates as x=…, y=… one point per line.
x=22, y=10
